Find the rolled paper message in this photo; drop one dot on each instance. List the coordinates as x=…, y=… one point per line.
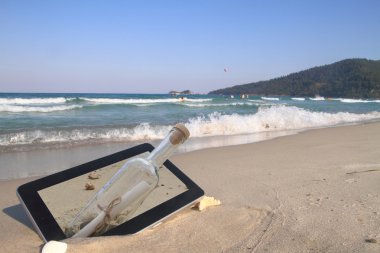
x=114, y=209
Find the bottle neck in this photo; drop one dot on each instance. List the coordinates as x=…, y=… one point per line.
x=161, y=153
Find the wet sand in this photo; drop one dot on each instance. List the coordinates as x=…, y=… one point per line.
x=317, y=191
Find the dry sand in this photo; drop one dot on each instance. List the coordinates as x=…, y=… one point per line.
x=317, y=191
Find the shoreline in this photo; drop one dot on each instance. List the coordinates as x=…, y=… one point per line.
x=42, y=162
x=55, y=159
x=261, y=136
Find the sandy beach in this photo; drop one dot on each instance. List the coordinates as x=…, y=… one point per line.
x=316, y=191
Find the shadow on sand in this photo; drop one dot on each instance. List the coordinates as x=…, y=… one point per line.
x=17, y=212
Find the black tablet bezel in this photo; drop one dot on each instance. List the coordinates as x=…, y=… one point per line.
x=49, y=228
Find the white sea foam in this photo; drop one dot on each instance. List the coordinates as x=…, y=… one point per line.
x=257, y=100
x=143, y=131
x=28, y=101
x=317, y=98
x=197, y=99
x=298, y=99
x=142, y=100
x=270, y=98
x=272, y=118
x=350, y=100
x=20, y=108
x=222, y=104
x=266, y=119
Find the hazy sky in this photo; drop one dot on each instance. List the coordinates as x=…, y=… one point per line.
x=158, y=46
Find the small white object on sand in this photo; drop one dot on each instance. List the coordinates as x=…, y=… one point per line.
x=54, y=247
x=207, y=202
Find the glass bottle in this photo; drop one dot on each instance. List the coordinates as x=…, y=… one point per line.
x=120, y=197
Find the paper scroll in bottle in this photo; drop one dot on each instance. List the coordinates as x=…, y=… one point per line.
x=131, y=196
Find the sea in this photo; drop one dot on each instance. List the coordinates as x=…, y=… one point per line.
x=48, y=121
x=30, y=121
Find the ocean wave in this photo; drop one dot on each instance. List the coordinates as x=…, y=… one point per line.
x=143, y=131
x=271, y=118
x=317, y=98
x=350, y=100
x=266, y=119
x=19, y=108
x=142, y=100
x=223, y=104
x=298, y=99
x=257, y=101
x=198, y=99
x=28, y=101
x=270, y=98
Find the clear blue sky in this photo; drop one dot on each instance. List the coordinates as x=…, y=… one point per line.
x=158, y=46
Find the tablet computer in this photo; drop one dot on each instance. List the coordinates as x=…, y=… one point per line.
x=53, y=201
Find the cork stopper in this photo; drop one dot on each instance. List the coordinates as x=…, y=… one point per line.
x=180, y=134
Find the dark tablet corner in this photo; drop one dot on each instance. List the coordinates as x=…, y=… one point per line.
x=49, y=228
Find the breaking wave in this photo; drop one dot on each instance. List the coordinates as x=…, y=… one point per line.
x=272, y=118
x=266, y=119
x=28, y=101
x=142, y=100
x=223, y=104
x=19, y=108
x=270, y=98
x=350, y=100
x=317, y=98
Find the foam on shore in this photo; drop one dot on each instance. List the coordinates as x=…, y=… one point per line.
x=266, y=119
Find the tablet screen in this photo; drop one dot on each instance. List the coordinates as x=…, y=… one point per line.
x=53, y=201
x=66, y=199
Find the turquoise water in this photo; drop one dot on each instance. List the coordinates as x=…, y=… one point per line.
x=29, y=121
